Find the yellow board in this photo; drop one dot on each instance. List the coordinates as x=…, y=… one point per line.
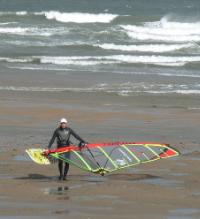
x=37, y=156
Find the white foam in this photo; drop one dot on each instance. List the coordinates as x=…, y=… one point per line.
x=13, y=30
x=44, y=89
x=12, y=13
x=17, y=60
x=43, y=68
x=7, y=23
x=124, y=93
x=21, y=13
x=188, y=91
x=157, y=60
x=24, y=31
x=84, y=61
x=50, y=43
x=123, y=89
x=193, y=108
x=77, y=17
x=164, y=30
x=167, y=22
x=141, y=33
x=106, y=60
x=34, y=89
x=32, y=31
x=183, y=92
x=179, y=75
x=152, y=59
x=171, y=64
x=156, y=48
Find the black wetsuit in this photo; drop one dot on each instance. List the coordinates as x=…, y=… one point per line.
x=63, y=139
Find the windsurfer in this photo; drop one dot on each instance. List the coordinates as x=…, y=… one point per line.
x=62, y=135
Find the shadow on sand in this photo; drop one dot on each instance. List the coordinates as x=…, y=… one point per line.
x=35, y=176
x=92, y=178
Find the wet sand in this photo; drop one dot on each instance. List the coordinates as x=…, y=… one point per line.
x=163, y=189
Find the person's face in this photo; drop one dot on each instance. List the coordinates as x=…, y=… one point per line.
x=63, y=125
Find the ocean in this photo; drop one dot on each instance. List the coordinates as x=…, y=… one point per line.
x=152, y=47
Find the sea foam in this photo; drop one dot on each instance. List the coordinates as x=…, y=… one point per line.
x=112, y=59
x=156, y=48
x=164, y=30
x=77, y=17
x=122, y=89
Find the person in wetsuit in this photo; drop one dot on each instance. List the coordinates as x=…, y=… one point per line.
x=62, y=135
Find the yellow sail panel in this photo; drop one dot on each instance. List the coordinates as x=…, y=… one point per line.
x=37, y=156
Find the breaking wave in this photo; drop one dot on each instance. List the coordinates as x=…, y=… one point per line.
x=164, y=30
x=156, y=48
x=113, y=59
x=79, y=17
x=131, y=59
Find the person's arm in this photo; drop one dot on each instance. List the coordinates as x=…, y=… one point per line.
x=72, y=132
x=52, y=139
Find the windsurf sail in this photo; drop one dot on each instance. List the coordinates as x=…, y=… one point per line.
x=37, y=156
x=108, y=157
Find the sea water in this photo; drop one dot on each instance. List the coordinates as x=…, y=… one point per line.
x=148, y=39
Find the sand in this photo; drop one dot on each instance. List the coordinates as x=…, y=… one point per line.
x=167, y=189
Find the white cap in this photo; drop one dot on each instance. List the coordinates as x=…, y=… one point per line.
x=63, y=120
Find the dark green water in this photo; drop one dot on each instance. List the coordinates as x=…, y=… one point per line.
x=137, y=38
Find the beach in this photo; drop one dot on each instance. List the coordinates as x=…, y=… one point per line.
x=162, y=189
x=123, y=72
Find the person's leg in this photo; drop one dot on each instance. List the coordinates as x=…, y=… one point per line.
x=66, y=171
x=60, y=167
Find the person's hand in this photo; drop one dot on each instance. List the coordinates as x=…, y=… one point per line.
x=45, y=152
x=82, y=144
